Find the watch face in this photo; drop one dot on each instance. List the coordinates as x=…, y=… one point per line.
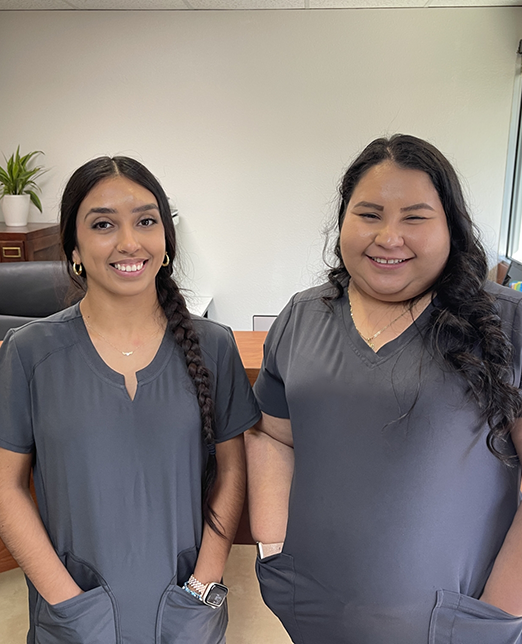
x=215, y=595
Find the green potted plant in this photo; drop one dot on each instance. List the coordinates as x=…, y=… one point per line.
x=18, y=187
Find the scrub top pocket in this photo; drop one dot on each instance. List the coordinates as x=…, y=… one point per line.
x=459, y=619
x=276, y=577
x=85, y=619
x=88, y=618
x=183, y=619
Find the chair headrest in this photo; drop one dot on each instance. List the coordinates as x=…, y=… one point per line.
x=33, y=289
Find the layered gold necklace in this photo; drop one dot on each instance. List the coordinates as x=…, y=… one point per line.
x=370, y=340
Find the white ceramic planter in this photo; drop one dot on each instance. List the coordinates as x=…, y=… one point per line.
x=16, y=209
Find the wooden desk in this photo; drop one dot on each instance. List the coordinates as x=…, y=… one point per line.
x=29, y=243
x=250, y=345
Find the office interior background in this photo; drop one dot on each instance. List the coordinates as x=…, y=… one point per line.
x=249, y=118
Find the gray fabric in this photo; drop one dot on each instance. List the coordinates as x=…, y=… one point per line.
x=394, y=521
x=118, y=482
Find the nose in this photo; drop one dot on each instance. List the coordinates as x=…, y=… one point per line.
x=389, y=235
x=127, y=240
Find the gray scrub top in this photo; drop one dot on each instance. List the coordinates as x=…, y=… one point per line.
x=118, y=481
x=397, y=508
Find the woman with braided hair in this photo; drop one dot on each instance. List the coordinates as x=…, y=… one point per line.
x=384, y=479
x=130, y=412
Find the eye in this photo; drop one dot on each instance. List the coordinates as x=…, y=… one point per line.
x=147, y=222
x=416, y=218
x=102, y=225
x=368, y=215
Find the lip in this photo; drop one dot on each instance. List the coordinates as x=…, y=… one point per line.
x=389, y=263
x=129, y=268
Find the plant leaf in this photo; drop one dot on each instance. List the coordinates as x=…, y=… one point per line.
x=17, y=177
x=35, y=199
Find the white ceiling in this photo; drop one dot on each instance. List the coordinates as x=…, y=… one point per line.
x=189, y=5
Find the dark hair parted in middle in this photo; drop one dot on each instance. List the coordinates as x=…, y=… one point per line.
x=464, y=318
x=170, y=298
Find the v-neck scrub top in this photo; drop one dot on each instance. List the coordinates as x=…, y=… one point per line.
x=397, y=508
x=118, y=481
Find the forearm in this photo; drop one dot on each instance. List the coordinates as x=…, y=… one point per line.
x=25, y=537
x=504, y=586
x=227, y=502
x=270, y=466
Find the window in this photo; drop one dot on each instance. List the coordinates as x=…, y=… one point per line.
x=511, y=227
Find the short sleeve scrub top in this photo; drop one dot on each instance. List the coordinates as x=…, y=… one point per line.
x=118, y=481
x=397, y=508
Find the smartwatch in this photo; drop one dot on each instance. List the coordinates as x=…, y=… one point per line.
x=212, y=594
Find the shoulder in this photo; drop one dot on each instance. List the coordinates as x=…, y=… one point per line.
x=503, y=293
x=41, y=338
x=215, y=339
x=305, y=310
x=314, y=294
x=508, y=301
x=319, y=299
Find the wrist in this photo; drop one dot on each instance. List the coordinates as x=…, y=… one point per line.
x=212, y=594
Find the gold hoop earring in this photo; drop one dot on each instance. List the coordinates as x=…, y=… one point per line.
x=166, y=261
x=77, y=268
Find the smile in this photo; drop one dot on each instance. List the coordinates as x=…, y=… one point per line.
x=381, y=260
x=129, y=268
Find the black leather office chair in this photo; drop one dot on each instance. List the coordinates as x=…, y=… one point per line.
x=31, y=290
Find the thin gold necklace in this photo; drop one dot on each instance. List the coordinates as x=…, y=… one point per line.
x=125, y=353
x=369, y=341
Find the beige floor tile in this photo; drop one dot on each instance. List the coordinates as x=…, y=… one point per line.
x=13, y=608
x=250, y=620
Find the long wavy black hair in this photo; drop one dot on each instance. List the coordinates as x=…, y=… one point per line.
x=464, y=329
x=170, y=298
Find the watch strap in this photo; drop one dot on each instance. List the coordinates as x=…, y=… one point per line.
x=265, y=550
x=197, y=585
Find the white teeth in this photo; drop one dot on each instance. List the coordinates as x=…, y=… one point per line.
x=380, y=260
x=129, y=268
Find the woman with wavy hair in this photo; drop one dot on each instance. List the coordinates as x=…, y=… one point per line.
x=130, y=412
x=383, y=477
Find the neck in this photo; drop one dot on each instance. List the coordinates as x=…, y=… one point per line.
x=122, y=316
x=378, y=321
x=373, y=305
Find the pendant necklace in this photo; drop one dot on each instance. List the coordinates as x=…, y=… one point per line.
x=369, y=341
x=124, y=353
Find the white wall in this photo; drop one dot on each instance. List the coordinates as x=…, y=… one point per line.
x=248, y=118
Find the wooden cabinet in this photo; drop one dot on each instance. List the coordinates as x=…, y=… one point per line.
x=34, y=242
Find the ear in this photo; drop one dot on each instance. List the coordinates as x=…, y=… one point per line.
x=76, y=257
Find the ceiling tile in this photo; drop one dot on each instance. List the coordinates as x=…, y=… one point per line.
x=365, y=4
x=26, y=5
x=475, y=3
x=130, y=5
x=247, y=4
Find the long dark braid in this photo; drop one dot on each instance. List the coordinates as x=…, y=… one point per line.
x=170, y=298
x=465, y=329
x=180, y=323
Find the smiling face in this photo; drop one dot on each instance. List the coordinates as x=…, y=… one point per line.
x=120, y=239
x=394, y=239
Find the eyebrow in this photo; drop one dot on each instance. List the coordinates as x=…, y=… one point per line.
x=111, y=211
x=368, y=204
x=416, y=206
